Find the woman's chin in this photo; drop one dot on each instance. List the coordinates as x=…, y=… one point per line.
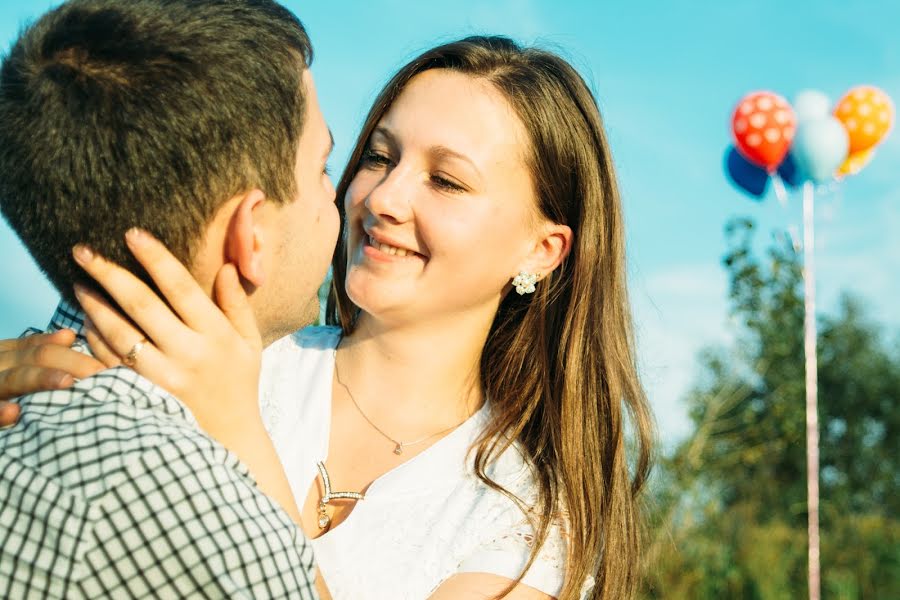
x=380, y=298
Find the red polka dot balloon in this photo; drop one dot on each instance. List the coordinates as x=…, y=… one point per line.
x=763, y=126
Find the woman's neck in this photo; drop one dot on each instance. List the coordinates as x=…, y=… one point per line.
x=415, y=376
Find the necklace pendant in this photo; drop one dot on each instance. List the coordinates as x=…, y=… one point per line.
x=399, y=449
x=324, y=519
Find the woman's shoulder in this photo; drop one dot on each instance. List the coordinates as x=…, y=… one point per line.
x=508, y=466
x=508, y=531
x=301, y=357
x=515, y=503
x=296, y=375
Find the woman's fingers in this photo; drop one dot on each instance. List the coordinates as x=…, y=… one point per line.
x=9, y=414
x=49, y=351
x=63, y=337
x=99, y=347
x=42, y=362
x=138, y=301
x=176, y=283
x=232, y=299
x=116, y=340
x=19, y=381
x=60, y=358
x=118, y=332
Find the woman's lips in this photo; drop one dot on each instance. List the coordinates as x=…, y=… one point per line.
x=388, y=249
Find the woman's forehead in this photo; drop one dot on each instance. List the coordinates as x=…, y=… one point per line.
x=454, y=110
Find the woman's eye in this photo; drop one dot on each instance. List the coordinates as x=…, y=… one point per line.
x=371, y=158
x=445, y=184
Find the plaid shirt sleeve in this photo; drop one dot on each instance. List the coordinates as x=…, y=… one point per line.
x=172, y=530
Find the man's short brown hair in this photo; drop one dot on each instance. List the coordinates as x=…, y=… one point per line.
x=150, y=113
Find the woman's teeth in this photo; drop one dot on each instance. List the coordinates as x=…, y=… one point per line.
x=392, y=250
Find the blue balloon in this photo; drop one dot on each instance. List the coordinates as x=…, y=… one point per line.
x=819, y=148
x=745, y=175
x=788, y=172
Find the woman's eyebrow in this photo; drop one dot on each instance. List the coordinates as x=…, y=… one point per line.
x=437, y=151
x=384, y=135
x=445, y=152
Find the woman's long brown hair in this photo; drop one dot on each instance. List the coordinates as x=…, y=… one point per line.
x=558, y=366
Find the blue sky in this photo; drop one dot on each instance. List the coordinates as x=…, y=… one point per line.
x=666, y=75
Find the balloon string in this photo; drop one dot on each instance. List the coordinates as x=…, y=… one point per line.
x=780, y=190
x=812, y=413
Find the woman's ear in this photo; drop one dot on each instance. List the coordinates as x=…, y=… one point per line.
x=246, y=238
x=549, y=250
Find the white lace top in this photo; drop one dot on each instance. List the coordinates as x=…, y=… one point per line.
x=421, y=522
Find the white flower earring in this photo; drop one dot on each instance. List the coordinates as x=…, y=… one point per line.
x=524, y=282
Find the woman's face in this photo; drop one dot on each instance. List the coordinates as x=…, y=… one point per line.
x=441, y=213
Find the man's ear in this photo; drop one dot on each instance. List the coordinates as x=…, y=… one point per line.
x=245, y=238
x=549, y=250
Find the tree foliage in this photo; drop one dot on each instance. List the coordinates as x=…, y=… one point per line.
x=728, y=512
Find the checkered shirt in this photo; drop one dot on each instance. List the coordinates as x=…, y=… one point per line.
x=110, y=490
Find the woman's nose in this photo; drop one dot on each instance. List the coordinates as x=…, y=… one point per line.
x=391, y=198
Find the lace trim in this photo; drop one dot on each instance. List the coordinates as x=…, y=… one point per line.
x=552, y=552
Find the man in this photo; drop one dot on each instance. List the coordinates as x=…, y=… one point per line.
x=196, y=120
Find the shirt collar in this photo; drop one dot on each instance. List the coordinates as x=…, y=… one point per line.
x=70, y=316
x=67, y=316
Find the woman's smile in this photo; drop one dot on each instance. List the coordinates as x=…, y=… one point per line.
x=380, y=248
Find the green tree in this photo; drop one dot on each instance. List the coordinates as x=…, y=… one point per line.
x=728, y=513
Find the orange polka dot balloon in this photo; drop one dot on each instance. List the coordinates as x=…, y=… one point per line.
x=763, y=126
x=855, y=163
x=867, y=114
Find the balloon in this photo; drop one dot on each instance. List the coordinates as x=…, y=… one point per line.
x=868, y=114
x=855, y=163
x=811, y=104
x=820, y=147
x=787, y=170
x=763, y=125
x=745, y=175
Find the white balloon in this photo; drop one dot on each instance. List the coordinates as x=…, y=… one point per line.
x=810, y=105
x=819, y=148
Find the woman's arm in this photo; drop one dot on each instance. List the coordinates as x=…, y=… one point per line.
x=481, y=586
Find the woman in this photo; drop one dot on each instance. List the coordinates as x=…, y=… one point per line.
x=471, y=393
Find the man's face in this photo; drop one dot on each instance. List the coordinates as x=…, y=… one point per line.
x=304, y=233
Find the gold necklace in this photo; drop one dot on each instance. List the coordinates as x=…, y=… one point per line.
x=328, y=496
x=398, y=445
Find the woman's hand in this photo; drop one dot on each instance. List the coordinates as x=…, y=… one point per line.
x=42, y=362
x=207, y=357
x=39, y=363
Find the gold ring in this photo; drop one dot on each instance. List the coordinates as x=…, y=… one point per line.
x=131, y=358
